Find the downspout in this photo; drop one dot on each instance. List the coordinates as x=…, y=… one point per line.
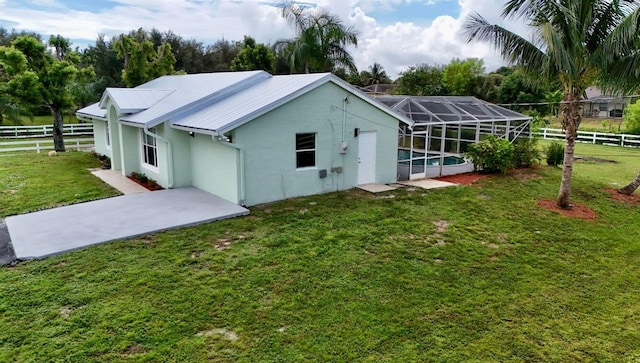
x=169, y=151
x=218, y=138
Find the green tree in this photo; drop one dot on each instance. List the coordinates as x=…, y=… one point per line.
x=631, y=118
x=422, y=80
x=37, y=77
x=579, y=43
x=12, y=64
x=374, y=75
x=143, y=62
x=488, y=87
x=253, y=57
x=321, y=40
x=460, y=77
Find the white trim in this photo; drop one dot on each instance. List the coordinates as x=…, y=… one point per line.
x=143, y=152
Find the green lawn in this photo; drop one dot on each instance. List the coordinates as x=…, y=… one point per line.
x=47, y=120
x=30, y=181
x=458, y=274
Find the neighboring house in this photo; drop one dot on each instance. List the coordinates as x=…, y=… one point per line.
x=248, y=137
x=603, y=106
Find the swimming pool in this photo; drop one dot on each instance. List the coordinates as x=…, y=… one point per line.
x=432, y=159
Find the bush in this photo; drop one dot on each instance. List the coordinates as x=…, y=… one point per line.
x=492, y=155
x=555, y=154
x=631, y=118
x=525, y=152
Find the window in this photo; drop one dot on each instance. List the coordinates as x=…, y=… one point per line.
x=305, y=150
x=107, y=138
x=149, y=149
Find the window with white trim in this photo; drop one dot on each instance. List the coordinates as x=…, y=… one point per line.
x=305, y=150
x=149, y=149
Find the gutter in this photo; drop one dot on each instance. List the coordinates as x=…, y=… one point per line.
x=169, y=150
x=216, y=137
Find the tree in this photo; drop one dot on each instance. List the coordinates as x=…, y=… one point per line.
x=37, y=77
x=253, y=57
x=631, y=187
x=12, y=64
x=460, y=77
x=375, y=75
x=321, y=40
x=422, y=80
x=488, y=87
x=143, y=62
x=579, y=43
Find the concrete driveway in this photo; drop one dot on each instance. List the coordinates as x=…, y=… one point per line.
x=63, y=229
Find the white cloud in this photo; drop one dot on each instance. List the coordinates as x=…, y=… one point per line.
x=395, y=46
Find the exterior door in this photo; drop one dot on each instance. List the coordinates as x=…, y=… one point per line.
x=367, y=157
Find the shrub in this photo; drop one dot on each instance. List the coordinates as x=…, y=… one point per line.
x=555, y=154
x=631, y=118
x=525, y=152
x=492, y=155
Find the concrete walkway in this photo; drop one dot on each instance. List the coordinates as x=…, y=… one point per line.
x=427, y=183
x=58, y=230
x=120, y=182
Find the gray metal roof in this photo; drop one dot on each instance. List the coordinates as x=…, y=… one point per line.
x=131, y=100
x=218, y=102
x=92, y=111
x=191, y=92
x=449, y=109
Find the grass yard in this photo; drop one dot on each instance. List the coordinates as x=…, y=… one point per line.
x=476, y=273
x=610, y=125
x=46, y=120
x=30, y=181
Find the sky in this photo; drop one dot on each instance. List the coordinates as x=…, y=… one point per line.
x=394, y=33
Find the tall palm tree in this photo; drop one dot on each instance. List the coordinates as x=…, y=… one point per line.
x=376, y=75
x=321, y=40
x=575, y=42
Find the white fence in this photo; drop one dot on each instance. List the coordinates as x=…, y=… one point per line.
x=594, y=137
x=25, y=132
x=43, y=145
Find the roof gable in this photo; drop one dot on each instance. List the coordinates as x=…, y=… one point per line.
x=133, y=100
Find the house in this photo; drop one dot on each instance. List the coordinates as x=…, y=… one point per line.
x=248, y=137
x=599, y=105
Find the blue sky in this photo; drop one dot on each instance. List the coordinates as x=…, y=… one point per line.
x=395, y=33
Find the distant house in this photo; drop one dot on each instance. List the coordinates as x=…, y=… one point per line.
x=600, y=105
x=248, y=137
x=379, y=89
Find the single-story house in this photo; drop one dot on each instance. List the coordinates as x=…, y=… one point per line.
x=248, y=137
x=599, y=105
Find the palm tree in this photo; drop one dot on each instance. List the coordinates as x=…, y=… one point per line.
x=321, y=40
x=575, y=42
x=376, y=75
x=631, y=187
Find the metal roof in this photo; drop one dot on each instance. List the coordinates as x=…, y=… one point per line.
x=217, y=102
x=92, y=111
x=191, y=92
x=131, y=100
x=254, y=101
x=449, y=109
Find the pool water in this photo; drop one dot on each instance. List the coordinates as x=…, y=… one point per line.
x=448, y=160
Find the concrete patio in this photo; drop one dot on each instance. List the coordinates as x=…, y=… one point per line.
x=57, y=230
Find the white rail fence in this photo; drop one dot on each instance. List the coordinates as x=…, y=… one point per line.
x=604, y=138
x=25, y=132
x=43, y=145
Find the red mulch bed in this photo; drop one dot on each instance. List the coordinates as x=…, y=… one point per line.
x=629, y=199
x=463, y=179
x=151, y=185
x=576, y=211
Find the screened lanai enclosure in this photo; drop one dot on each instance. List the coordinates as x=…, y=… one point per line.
x=444, y=128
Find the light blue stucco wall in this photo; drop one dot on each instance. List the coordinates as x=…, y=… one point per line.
x=100, y=138
x=215, y=167
x=268, y=143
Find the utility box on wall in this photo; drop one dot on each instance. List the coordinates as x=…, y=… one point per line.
x=343, y=147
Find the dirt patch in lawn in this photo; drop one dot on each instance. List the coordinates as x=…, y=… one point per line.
x=593, y=160
x=463, y=179
x=525, y=174
x=633, y=199
x=576, y=210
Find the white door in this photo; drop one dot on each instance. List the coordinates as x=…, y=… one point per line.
x=367, y=157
